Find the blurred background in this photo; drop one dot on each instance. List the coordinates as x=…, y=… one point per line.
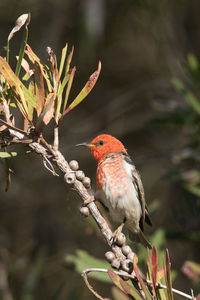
x=147, y=96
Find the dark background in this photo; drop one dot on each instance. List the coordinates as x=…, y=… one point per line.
x=142, y=46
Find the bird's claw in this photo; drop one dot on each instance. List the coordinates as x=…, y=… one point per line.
x=88, y=201
x=116, y=234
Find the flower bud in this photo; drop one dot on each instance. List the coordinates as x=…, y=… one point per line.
x=131, y=256
x=80, y=175
x=110, y=256
x=84, y=211
x=127, y=265
x=115, y=263
x=74, y=165
x=126, y=250
x=86, y=182
x=121, y=240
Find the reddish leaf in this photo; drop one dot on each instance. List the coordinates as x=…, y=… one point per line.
x=143, y=286
x=113, y=276
x=191, y=270
x=123, y=286
x=154, y=269
x=161, y=273
x=47, y=113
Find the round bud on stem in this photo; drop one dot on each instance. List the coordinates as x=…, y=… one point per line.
x=121, y=240
x=80, y=175
x=127, y=265
x=74, y=165
x=131, y=256
x=86, y=182
x=115, y=263
x=126, y=250
x=84, y=211
x=110, y=256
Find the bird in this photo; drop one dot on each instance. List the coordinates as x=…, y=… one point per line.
x=119, y=187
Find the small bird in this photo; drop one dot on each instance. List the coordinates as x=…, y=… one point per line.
x=119, y=187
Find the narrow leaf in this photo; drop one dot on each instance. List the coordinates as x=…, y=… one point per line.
x=168, y=276
x=7, y=154
x=31, y=89
x=34, y=58
x=69, y=58
x=39, y=90
x=123, y=286
x=143, y=286
x=62, y=61
x=85, y=91
x=8, y=179
x=69, y=85
x=189, y=96
x=23, y=19
x=47, y=108
x=154, y=268
x=23, y=46
x=191, y=270
x=25, y=65
x=14, y=82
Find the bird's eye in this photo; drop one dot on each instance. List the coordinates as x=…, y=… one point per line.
x=101, y=143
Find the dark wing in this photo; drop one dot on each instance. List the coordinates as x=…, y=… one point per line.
x=139, y=186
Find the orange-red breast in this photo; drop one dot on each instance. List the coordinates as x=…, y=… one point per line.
x=119, y=186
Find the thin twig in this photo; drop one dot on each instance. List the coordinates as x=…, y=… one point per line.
x=56, y=135
x=50, y=168
x=84, y=275
x=12, y=127
x=123, y=273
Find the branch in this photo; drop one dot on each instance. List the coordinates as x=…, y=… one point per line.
x=122, y=273
x=56, y=158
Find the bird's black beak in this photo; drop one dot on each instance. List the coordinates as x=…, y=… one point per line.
x=85, y=145
x=81, y=144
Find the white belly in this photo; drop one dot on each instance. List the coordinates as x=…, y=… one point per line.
x=122, y=198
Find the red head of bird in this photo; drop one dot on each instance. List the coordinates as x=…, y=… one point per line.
x=104, y=144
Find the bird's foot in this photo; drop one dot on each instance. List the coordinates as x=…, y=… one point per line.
x=88, y=201
x=117, y=233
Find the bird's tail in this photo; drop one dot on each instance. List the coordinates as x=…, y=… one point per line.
x=139, y=237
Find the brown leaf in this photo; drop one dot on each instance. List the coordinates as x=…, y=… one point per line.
x=22, y=20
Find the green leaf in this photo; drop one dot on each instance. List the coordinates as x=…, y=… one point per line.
x=193, y=62
x=15, y=84
x=189, y=96
x=69, y=58
x=71, y=77
x=168, y=276
x=83, y=260
x=118, y=294
x=85, y=91
x=8, y=154
x=23, y=44
x=62, y=61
